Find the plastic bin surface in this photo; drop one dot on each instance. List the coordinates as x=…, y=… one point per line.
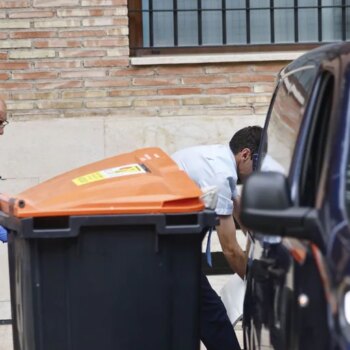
x=144, y=181
x=107, y=256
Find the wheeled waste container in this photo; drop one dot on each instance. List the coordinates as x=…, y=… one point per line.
x=107, y=256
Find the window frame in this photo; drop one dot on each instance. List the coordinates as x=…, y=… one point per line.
x=317, y=141
x=137, y=49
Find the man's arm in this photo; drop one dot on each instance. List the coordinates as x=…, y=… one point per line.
x=236, y=213
x=234, y=255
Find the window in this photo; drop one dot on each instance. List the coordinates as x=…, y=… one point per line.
x=317, y=136
x=158, y=26
x=285, y=117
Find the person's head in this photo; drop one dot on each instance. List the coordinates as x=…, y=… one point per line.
x=3, y=116
x=245, y=145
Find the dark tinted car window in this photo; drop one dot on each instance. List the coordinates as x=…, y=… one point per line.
x=317, y=137
x=285, y=118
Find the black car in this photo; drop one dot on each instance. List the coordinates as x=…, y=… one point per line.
x=298, y=275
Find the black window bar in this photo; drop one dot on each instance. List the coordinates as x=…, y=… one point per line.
x=199, y=20
x=343, y=13
x=247, y=5
x=224, y=25
x=272, y=21
x=296, y=21
x=224, y=9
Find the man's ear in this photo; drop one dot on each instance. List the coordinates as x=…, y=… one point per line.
x=246, y=153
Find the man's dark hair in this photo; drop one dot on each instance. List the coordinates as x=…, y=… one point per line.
x=248, y=137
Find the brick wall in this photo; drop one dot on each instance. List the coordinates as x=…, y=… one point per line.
x=71, y=58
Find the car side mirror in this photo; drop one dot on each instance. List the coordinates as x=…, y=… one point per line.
x=266, y=207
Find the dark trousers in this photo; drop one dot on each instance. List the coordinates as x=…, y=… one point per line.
x=216, y=330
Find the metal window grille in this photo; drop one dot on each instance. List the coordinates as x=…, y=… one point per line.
x=198, y=23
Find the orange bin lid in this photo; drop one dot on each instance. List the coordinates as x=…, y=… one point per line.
x=144, y=181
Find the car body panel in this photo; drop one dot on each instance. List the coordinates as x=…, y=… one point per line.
x=298, y=291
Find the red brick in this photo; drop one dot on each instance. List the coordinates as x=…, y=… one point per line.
x=75, y=12
x=232, y=68
x=3, y=35
x=32, y=35
x=131, y=72
x=228, y=90
x=59, y=85
x=4, y=76
x=33, y=95
x=180, y=70
x=55, y=3
x=10, y=65
x=180, y=91
x=155, y=102
x=107, y=83
x=4, y=96
x=242, y=78
x=108, y=103
x=118, y=31
x=113, y=11
x=115, y=42
x=96, y=12
x=269, y=67
x=82, y=53
x=101, y=21
x=10, y=4
x=120, y=62
x=59, y=104
x=218, y=79
x=95, y=94
x=82, y=33
x=57, y=64
x=103, y=2
x=205, y=100
x=56, y=43
x=132, y=92
x=35, y=75
x=3, y=55
x=154, y=81
x=32, y=14
x=84, y=73
x=262, y=88
x=15, y=86
x=262, y=78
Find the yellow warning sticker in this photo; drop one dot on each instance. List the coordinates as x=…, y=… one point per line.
x=125, y=170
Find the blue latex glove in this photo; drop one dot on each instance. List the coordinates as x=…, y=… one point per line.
x=3, y=234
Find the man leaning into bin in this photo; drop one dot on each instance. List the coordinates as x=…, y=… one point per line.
x=3, y=122
x=221, y=166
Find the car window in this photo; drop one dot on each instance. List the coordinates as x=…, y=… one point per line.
x=316, y=146
x=347, y=189
x=284, y=120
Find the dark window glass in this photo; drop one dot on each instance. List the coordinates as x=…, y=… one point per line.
x=160, y=24
x=286, y=117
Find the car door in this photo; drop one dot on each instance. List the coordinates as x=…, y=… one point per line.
x=334, y=205
x=277, y=305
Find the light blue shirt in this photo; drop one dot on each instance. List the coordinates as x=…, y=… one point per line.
x=3, y=234
x=212, y=165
